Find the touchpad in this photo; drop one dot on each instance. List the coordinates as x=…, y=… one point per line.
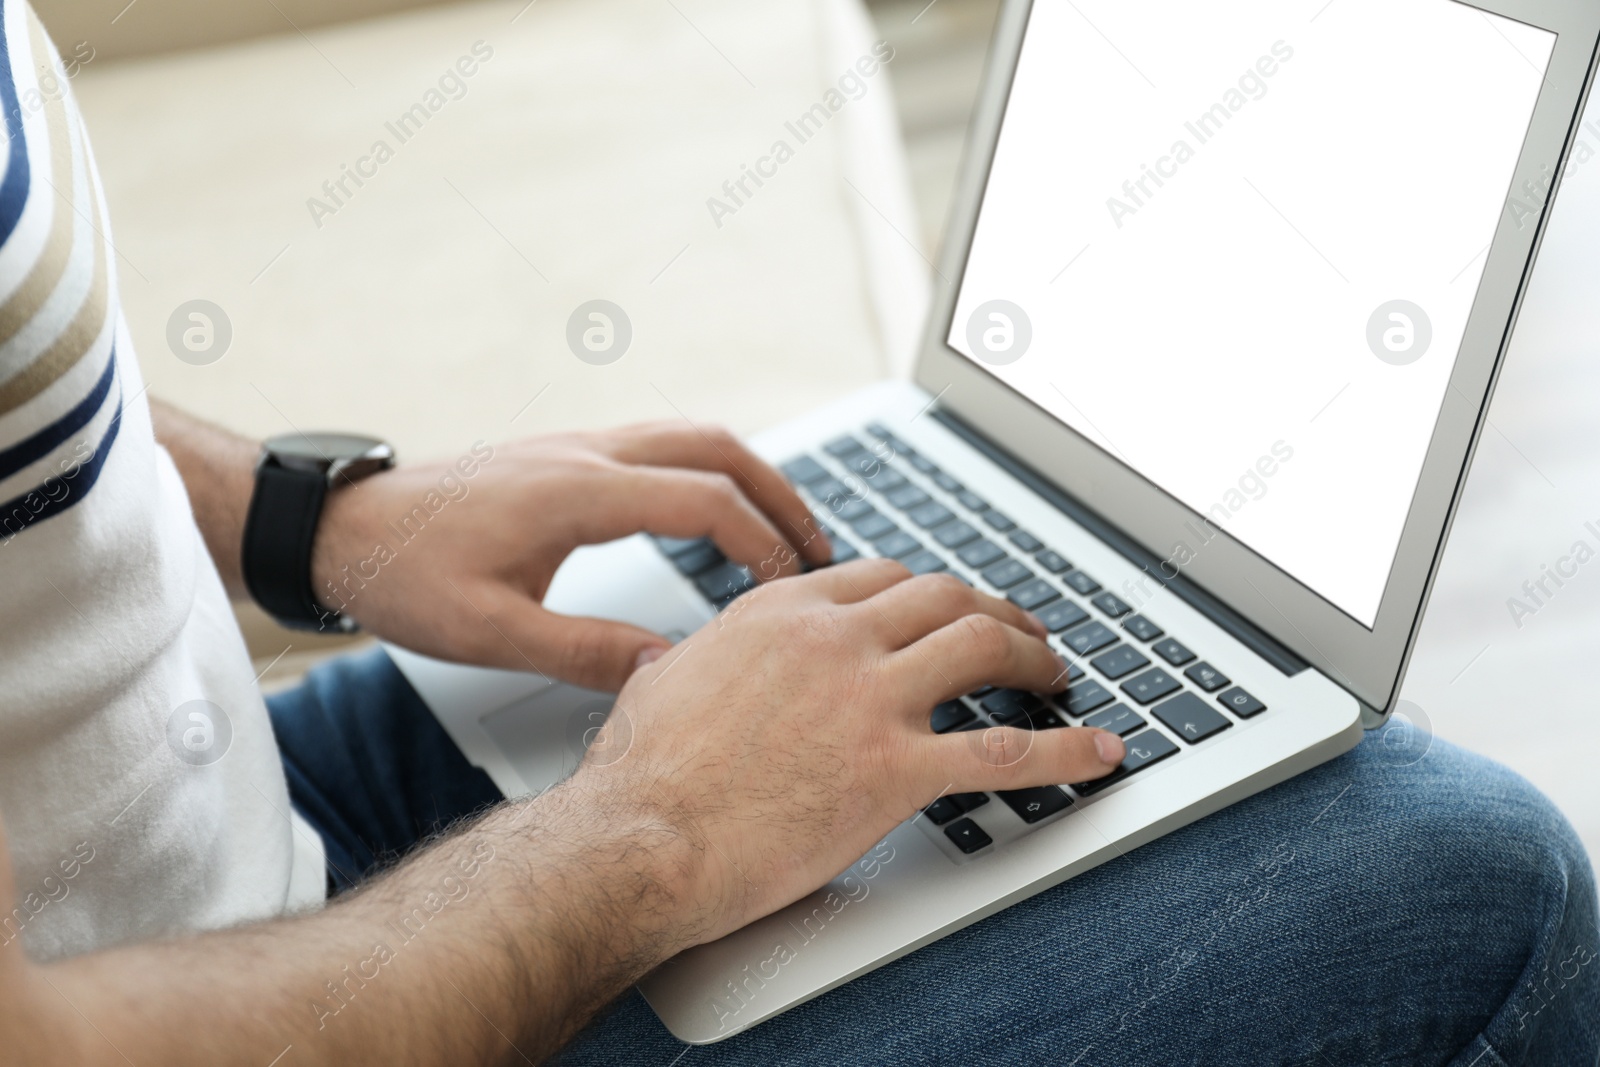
x=543, y=736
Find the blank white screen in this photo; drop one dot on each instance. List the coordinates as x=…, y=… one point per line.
x=1223, y=313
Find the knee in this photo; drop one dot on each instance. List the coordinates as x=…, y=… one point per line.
x=1453, y=816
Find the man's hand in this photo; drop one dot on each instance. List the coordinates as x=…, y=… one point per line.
x=740, y=772
x=791, y=733
x=455, y=565
x=467, y=586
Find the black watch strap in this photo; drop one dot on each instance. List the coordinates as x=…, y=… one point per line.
x=278, y=534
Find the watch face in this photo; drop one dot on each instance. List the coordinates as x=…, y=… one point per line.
x=352, y=454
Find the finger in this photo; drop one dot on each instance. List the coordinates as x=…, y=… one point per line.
x=973, y=651
x=590, y=653
x=914, y=609
x=712, y=448
x=1002, y=758
x=851, y=583
x=689, y=503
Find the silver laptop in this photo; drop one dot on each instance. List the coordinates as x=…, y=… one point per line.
x=1224, y=297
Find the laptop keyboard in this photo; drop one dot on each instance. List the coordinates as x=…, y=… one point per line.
x=1126, y=673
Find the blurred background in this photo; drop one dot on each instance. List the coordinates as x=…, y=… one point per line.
x=578, y=162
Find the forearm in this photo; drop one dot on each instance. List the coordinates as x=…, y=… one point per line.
x=218, y=469
x=494, y=945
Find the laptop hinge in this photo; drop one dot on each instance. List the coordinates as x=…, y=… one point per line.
x=1181, y=586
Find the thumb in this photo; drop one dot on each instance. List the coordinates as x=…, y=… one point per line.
x=592, y=653
x=1005, y=758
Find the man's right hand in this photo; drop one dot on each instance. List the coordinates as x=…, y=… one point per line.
x=739, y=772
x=791, y=733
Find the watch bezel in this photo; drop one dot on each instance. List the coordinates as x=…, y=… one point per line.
x=336, y=455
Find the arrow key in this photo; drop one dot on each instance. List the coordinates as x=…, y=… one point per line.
x=1036, y=805
x=1191, y=718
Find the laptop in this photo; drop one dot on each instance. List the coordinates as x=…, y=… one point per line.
x=1224, y=295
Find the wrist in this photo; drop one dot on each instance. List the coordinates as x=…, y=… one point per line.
x=339, y=570
x=641, y=876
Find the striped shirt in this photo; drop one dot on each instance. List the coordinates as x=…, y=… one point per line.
x=139, y=781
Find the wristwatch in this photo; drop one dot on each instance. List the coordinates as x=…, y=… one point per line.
x=293, y=478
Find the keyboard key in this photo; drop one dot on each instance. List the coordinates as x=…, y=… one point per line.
x=1142, y=628
x=970, y=801
x=1007, y=574
x=950, y=715
x=944, y=809
x=947, y=483
x=924, y=464
x=1030, y=596
x=980, y=554
x=1241, y=703
x=907, y=497
x=1074, y=672
x=1045, y=719
x=1144, y=750
x=1016, y=719
x=1035, y=805
x=673, y=547
x=1118, y=719
x=850, y=509
x=725, y=581
x=925, y=562
x=998, y=521
x=968, y=836
x=930, y=515
x=1090, y=638
x=1111, y=604
x=1120, y=661
x=1173, y=652
x=841, y=447
x=1206, y=677
x=872, y=527
x=1010, y=702
x=803, y=470
x=884, y=434
x=885, y=480
x=829, y=490
x=981, y=692
x=697, y=560
x=1053, y=561
x=866, y=462
x=972, y=501
x=1082, y=583
x=1026, y=541
x=1060, y=616
x=955, y=534
x=1191, y=718
x=1153, y=684
x=1083, y=698
x=896, y=545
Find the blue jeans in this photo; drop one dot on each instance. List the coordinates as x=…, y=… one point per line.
x=1410, y=904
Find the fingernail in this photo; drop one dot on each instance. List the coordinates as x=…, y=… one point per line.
x=1110, y=747
x=649, y=656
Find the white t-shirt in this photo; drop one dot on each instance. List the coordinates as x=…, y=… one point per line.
x=140, y=783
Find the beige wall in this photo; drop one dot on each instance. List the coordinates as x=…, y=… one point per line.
x=115, y=28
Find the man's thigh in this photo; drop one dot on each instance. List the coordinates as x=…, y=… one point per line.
x=368, y=764
x=1379, y=909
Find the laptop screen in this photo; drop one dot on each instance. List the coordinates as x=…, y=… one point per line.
x=1235, y=244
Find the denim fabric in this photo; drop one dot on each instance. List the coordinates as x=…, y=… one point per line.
x=1381, y=909
x=369, y=767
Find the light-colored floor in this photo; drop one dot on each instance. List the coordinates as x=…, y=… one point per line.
x=1521, y=694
